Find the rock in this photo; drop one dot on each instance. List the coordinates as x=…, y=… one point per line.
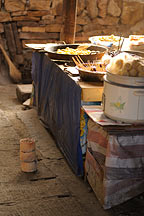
x=38, y=13
x=19, y=13
x=48, y=17
x=19, y=59
x=113, y=9
x=5, y=16
x=108, y=20
x=27, y=104
x=138, y=28
x=57, y=7
x=79, y=28
x=14, y=5
x=83, y=18
x=80, y=6
x=132, y=12
x=27, y=23
x=39, y=5
x=53, y=28
x=92, y=8
x=91, y=26
x=33, y=29
x=23, y=92
x=102, y=5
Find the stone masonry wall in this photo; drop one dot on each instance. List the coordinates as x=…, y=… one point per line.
x=40, y=21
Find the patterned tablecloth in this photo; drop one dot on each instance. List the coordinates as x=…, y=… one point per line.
x=114, y=162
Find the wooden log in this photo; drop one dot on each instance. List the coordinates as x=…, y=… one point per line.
x=17, y=40
x=22, y=18
x=69, y=17
x=33, y=29
x=27, y=23
x=10, y=39
x=39, y=36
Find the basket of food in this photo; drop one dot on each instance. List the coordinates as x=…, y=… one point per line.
x=90, y=71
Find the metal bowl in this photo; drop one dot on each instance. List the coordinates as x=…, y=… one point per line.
x=91, y=76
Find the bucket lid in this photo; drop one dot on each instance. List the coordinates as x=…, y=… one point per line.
x=125, y=80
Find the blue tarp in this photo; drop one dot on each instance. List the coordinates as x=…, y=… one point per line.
x=58, y=101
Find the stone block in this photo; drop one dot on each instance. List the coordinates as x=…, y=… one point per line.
x=23, y=92
x=39, y=5
x=53, y=28
x=14, y=5
x=132, y=12
x=5, y=16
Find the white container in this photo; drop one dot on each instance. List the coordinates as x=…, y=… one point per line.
x=123, y=98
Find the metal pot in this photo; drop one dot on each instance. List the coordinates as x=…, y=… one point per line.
x=99, y=51
x=123, y=100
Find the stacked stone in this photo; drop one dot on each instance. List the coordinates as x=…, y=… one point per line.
x=28, y=155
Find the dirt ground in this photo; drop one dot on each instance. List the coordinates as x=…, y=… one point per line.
x=53, y=190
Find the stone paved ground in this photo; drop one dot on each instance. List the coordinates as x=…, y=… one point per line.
x=53, y=190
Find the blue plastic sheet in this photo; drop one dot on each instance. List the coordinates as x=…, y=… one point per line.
x=58, y=100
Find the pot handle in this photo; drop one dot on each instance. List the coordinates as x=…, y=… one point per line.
x=138, y=93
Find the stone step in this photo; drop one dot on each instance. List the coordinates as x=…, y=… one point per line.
x=23, y=92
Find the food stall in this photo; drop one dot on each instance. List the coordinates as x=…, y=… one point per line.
x=112, y=133
x=58, y=95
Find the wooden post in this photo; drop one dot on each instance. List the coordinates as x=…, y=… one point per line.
x=69, y=21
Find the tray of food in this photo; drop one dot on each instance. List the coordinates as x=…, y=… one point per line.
x=68, y=51
x=106, y=40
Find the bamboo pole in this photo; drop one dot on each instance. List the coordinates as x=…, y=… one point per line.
x=69, y=21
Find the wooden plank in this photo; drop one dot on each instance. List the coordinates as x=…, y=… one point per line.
x=17, y=40
x=69, y=17
x=91, y=91
x=33, y=29
x=40, y=35
x=10, y=39
x=24, y=18
x=27, y=23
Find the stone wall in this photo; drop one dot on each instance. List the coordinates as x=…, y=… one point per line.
x=40, y=21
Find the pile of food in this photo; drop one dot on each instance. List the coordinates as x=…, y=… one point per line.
x=109, y=38
x=106, y=40
x=72, y=51
x=125, y=64
x=136, y=42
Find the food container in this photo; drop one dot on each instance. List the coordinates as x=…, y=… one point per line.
x=123, y=98
x=92, y=75
x=97, y=52
x=106, y=40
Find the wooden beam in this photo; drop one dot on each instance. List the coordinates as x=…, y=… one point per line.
x=69, y=21
x=18, y=43
x=10, y=39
